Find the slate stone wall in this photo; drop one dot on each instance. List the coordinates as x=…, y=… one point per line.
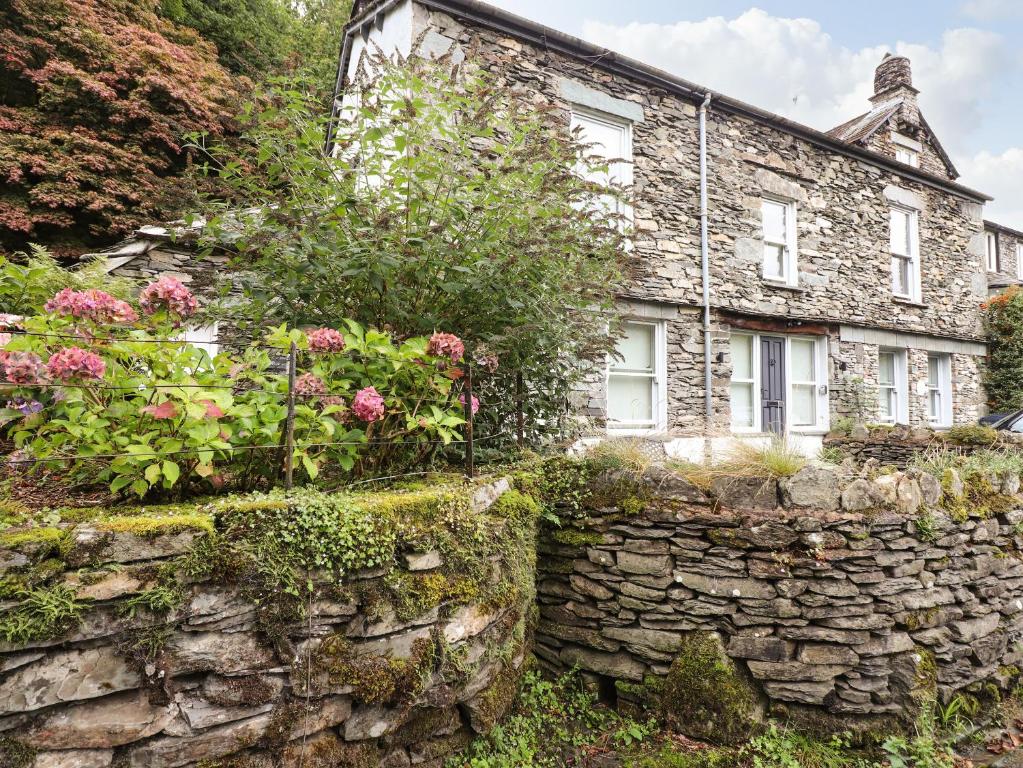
x=348, y=684
x=834, y=594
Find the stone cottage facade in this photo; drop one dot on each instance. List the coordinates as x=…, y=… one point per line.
x=845, y=269
x=1003, y=257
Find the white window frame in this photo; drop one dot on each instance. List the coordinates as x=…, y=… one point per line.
x=823, y=389
x=907, y=156
x=790, y=260
x=899, y=387
x=1019, y=261
x=658, y=382
x=991, y=252
x=622, y=168
x=913, y=225
x=907, y=150
x=943, y=419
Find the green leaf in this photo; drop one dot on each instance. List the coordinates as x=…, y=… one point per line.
x=310, y=466
x=152, y=473
x=171, y=472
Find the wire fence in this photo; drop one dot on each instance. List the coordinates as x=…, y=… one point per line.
x=291, y=398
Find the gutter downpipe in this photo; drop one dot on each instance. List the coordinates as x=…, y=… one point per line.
x=708, y=398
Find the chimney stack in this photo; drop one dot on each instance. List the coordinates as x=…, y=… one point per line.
x=893, y=79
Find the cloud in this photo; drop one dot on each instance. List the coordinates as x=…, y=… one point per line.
x=988, y=10
x=999, y=175
x=796, y=69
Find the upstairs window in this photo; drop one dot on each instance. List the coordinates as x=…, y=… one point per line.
x=907, y=156
x=907, y=149
x=608, y=140
x=939, y=390
x=904, y=244
x=779, y=225
x=1019, y=260
x=991, y=251
x=636, y=379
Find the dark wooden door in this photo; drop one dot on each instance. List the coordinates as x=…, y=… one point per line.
x=772, y=378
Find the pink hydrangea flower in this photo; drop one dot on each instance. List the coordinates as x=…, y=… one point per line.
x=72, y=362
x=9, y=321
x=168, y=293
x=23, y=368
x=368, y=405
x=5, y=339
x=92, y=304
x=325, y=340
x=475, y=403
x=310, y=385
x=446, y=345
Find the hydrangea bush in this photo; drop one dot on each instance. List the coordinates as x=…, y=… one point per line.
x=116, y=396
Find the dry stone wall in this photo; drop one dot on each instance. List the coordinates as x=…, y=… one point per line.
x=830, y=595
x=351, y=680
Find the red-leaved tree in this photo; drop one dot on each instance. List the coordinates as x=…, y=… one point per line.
x=96, y=97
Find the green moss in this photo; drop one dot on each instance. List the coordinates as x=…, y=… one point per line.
x=376, y=679
x=573, y=537
x=670, y=756
x=14, y=754
x=704, y=695
x=44, y=538
x=41, y=613
x=496, y=700
x=150, y=527
x=971, y=434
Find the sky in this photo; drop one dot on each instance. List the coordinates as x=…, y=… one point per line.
x=814, y=62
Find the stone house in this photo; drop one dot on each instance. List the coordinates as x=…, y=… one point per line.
x=1003, y=257
x=827, y=274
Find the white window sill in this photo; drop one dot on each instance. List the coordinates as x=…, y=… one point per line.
x=784, y=285
x=908, y=301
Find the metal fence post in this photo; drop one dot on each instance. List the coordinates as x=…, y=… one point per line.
x=289, y=424
x=470, y=468
x=520, y=419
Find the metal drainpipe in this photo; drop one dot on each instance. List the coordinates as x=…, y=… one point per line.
x=708, y=397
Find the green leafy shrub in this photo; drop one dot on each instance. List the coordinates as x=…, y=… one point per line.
x=459, y=208
x=787, y=748
x=29, y=280
x=554, y=723
x=1003, y=323
x=972, y=434
x=128, y=406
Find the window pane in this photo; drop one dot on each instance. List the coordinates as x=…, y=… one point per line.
x=802, y=364
x=900, y=232
x=742, y=357
x=774, y=220
x=804, y=404
x=886, y=368
x=774, y=260
x=934, y=406
x=886, y=404
x=900, y=276
x=933, y=378
x=606, y=142
x=630, y=398
x=742, y=404
x=635, y=348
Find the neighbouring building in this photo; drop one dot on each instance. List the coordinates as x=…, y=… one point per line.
x=845, y=268
x=1003, y=257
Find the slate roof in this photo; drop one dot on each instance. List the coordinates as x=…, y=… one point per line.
x=861, y=128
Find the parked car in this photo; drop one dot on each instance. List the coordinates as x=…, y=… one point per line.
x=1012, y=422
x=993, y=418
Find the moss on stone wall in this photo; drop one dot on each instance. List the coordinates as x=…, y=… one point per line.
x=704, y=694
